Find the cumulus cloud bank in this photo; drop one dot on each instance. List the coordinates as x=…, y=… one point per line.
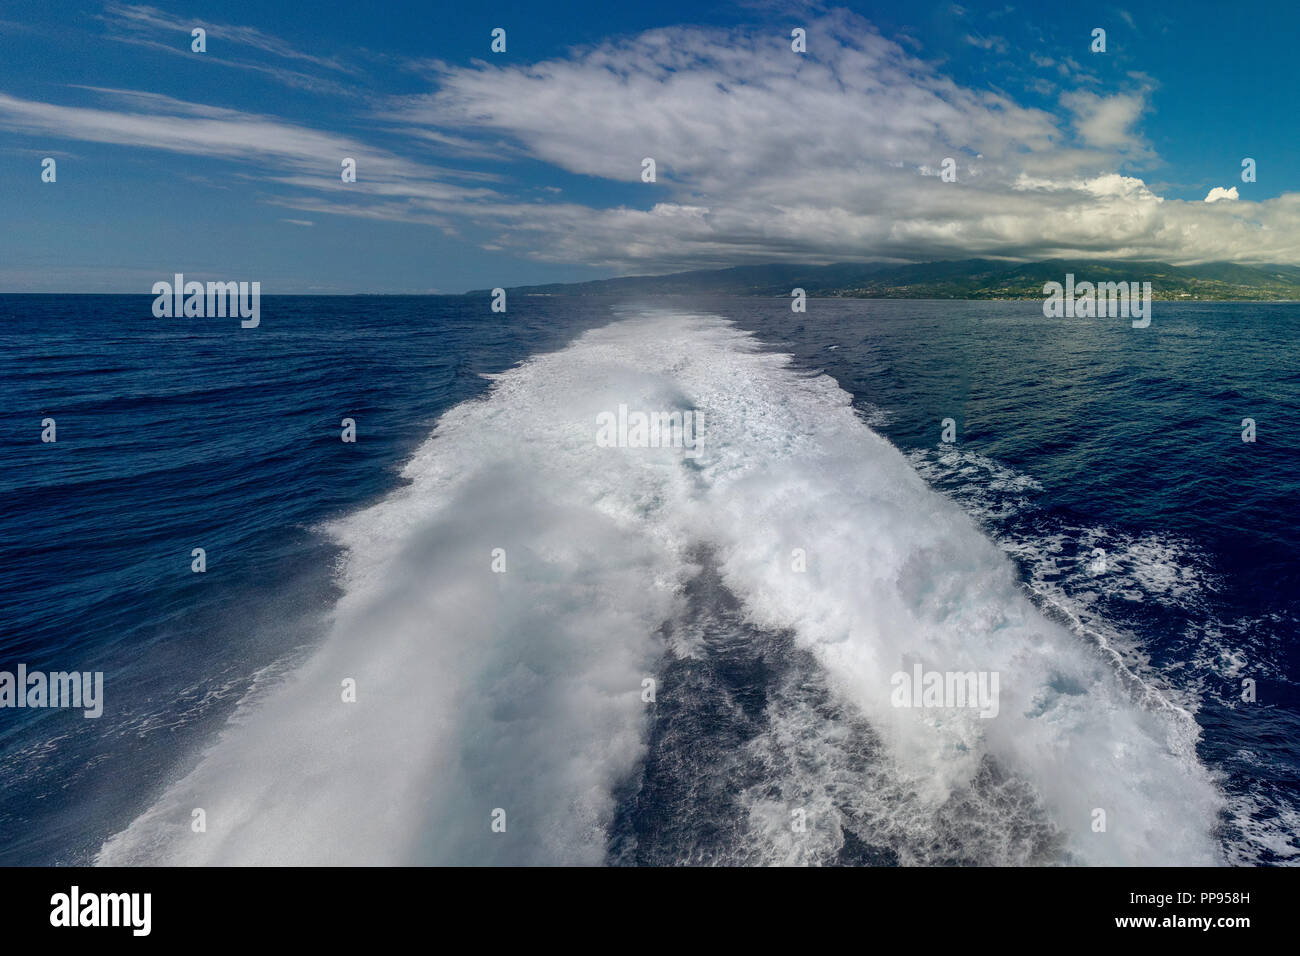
x=763, y=153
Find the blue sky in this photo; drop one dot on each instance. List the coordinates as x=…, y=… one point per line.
x=477, y=169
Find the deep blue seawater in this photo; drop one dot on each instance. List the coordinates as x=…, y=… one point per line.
x=1078, y=441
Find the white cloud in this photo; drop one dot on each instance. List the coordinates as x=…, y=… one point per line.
x=140, y=19
x=1218, y=192
x=994, y=43
x=1106, y=121
x=388, y=187
x=149, y=27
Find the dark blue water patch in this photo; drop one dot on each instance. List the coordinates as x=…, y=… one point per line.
x=747, y=717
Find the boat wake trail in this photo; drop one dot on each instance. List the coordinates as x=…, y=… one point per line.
x=507, y=611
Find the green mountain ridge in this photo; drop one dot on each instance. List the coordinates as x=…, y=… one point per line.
x=960, y=279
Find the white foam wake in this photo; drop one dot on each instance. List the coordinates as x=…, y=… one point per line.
x=522, y=691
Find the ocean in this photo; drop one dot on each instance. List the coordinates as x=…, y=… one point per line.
x=564, y=653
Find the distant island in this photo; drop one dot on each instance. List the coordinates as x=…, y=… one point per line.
x=962, y=279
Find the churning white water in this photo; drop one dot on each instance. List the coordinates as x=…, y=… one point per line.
x=522, y=691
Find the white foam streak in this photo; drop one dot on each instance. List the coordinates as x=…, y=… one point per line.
x=522, y=690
